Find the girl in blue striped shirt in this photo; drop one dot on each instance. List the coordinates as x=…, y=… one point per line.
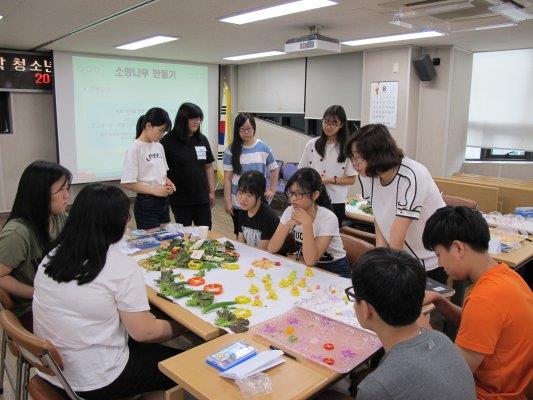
x=246, y=153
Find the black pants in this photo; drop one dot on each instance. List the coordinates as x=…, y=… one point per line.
x=439, y=275
x=200, y=214
x=141, y=374
x=150, y=211
x=235, y=219
x=340, y=211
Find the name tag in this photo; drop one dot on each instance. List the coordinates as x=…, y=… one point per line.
x=201, y=152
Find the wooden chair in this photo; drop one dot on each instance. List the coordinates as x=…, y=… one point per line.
x=41, y=354
x=359, y=234
x=459, y=201
x=15, y=381
x=354, y=248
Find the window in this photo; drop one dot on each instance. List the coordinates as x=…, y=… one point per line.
x=297, y=122
x=5, y=119
x=483, y=154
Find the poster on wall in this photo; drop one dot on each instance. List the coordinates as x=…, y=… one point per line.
x=384, y=103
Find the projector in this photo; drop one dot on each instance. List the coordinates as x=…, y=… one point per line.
x=315, y=43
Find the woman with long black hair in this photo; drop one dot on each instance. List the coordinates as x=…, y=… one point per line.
x=89, y=297
x=325, y=154
x=190, y=163
x=246, y=153
x=36, y=219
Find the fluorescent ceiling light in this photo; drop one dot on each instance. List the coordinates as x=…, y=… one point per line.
x=497, y=26
x=393, y=38
x=511, y=12
x=147, y=42
x=1, y=16
x=278, y=11
x=255, y=55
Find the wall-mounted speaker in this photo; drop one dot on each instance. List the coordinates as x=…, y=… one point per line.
x=424, y=68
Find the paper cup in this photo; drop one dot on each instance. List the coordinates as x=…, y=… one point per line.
x=203, y=231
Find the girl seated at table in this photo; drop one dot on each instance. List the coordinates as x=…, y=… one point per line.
x=258, y=221
x=36, y=219
x=90, y=298
x=314, y=226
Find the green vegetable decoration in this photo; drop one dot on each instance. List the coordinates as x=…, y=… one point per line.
x=170, y=288
x=199, y=298
x=214, y=306
x=226, y=319
x=366, y=208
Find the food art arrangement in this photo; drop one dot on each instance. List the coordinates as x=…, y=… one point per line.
x=359, y=207
x=327, y=342
x=237, y=287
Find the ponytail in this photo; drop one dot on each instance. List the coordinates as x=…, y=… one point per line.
x=140, y=126
x=323, y=199
x=154, y=116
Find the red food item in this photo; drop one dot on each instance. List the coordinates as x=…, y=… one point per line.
x=171, y=256
x=329, y=361
x=215, y=288
x=174, y=250
x=329, y=346
x=277, y=263
x=196, y=281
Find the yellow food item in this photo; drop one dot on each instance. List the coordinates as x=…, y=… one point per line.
x=272, y=295
x=295, y=291
x=309, y=272
x=289, y=330
x=254, y=289
x=195, y=264
x=250, y=273
x=283, y=283
x=231, y=266
x=242, y=299
x=180, y=277
x=257, y=301
x=302, y=283
x=268, y=285
x=266, y=278
x=242, y=313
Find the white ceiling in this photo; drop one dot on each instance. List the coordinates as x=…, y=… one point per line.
x=28, y=24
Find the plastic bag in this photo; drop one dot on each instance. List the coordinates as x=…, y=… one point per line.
x=255, y=385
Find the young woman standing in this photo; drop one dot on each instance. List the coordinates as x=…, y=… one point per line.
x=325, y=154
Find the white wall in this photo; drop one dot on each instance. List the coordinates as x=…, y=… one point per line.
x=507, y=169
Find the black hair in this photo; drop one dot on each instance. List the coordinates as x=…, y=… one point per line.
x=377, y=147
x=96, y=220
x=336, y=112
x=310, y=181
x=253, y=182
x=393, y=282
x=456, y=223
x=236, y=143
x=33, y=200
x=154, y=116
x=186, y=112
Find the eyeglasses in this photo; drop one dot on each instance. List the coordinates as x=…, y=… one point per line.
x=246, y=130
x=63, y=189
x=297, y=195
x=357, y=159
x=331, y=123
x=350, y=293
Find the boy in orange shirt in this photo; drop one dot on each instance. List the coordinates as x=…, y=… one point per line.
x=496, y=323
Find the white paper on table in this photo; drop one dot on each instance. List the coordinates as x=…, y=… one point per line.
x=261, y=362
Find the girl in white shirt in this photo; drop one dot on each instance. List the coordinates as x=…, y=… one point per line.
x=145, y=171
x=402, y=193
x=314, y=226
x=325, y=154
x=90, y=299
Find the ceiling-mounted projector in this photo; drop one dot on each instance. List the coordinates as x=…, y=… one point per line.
x=314, y=43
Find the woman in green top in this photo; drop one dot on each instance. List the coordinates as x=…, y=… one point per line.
x=37, y=217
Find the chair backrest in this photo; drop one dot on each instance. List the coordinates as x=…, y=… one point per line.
x=280, y=165
x=459, y=201
x=37, y=351
x=288, y=170
x=366, y=236
x=354, y=248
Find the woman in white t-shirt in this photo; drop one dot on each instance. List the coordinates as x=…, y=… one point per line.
x=314, y=226
x=89, y=299
x=402, y=193
x=145, y=171
x=325, y=154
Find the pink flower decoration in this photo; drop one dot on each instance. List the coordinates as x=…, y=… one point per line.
x=268, y=328
x=347, y=353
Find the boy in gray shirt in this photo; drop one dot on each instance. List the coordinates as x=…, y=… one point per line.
x=388, y=289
